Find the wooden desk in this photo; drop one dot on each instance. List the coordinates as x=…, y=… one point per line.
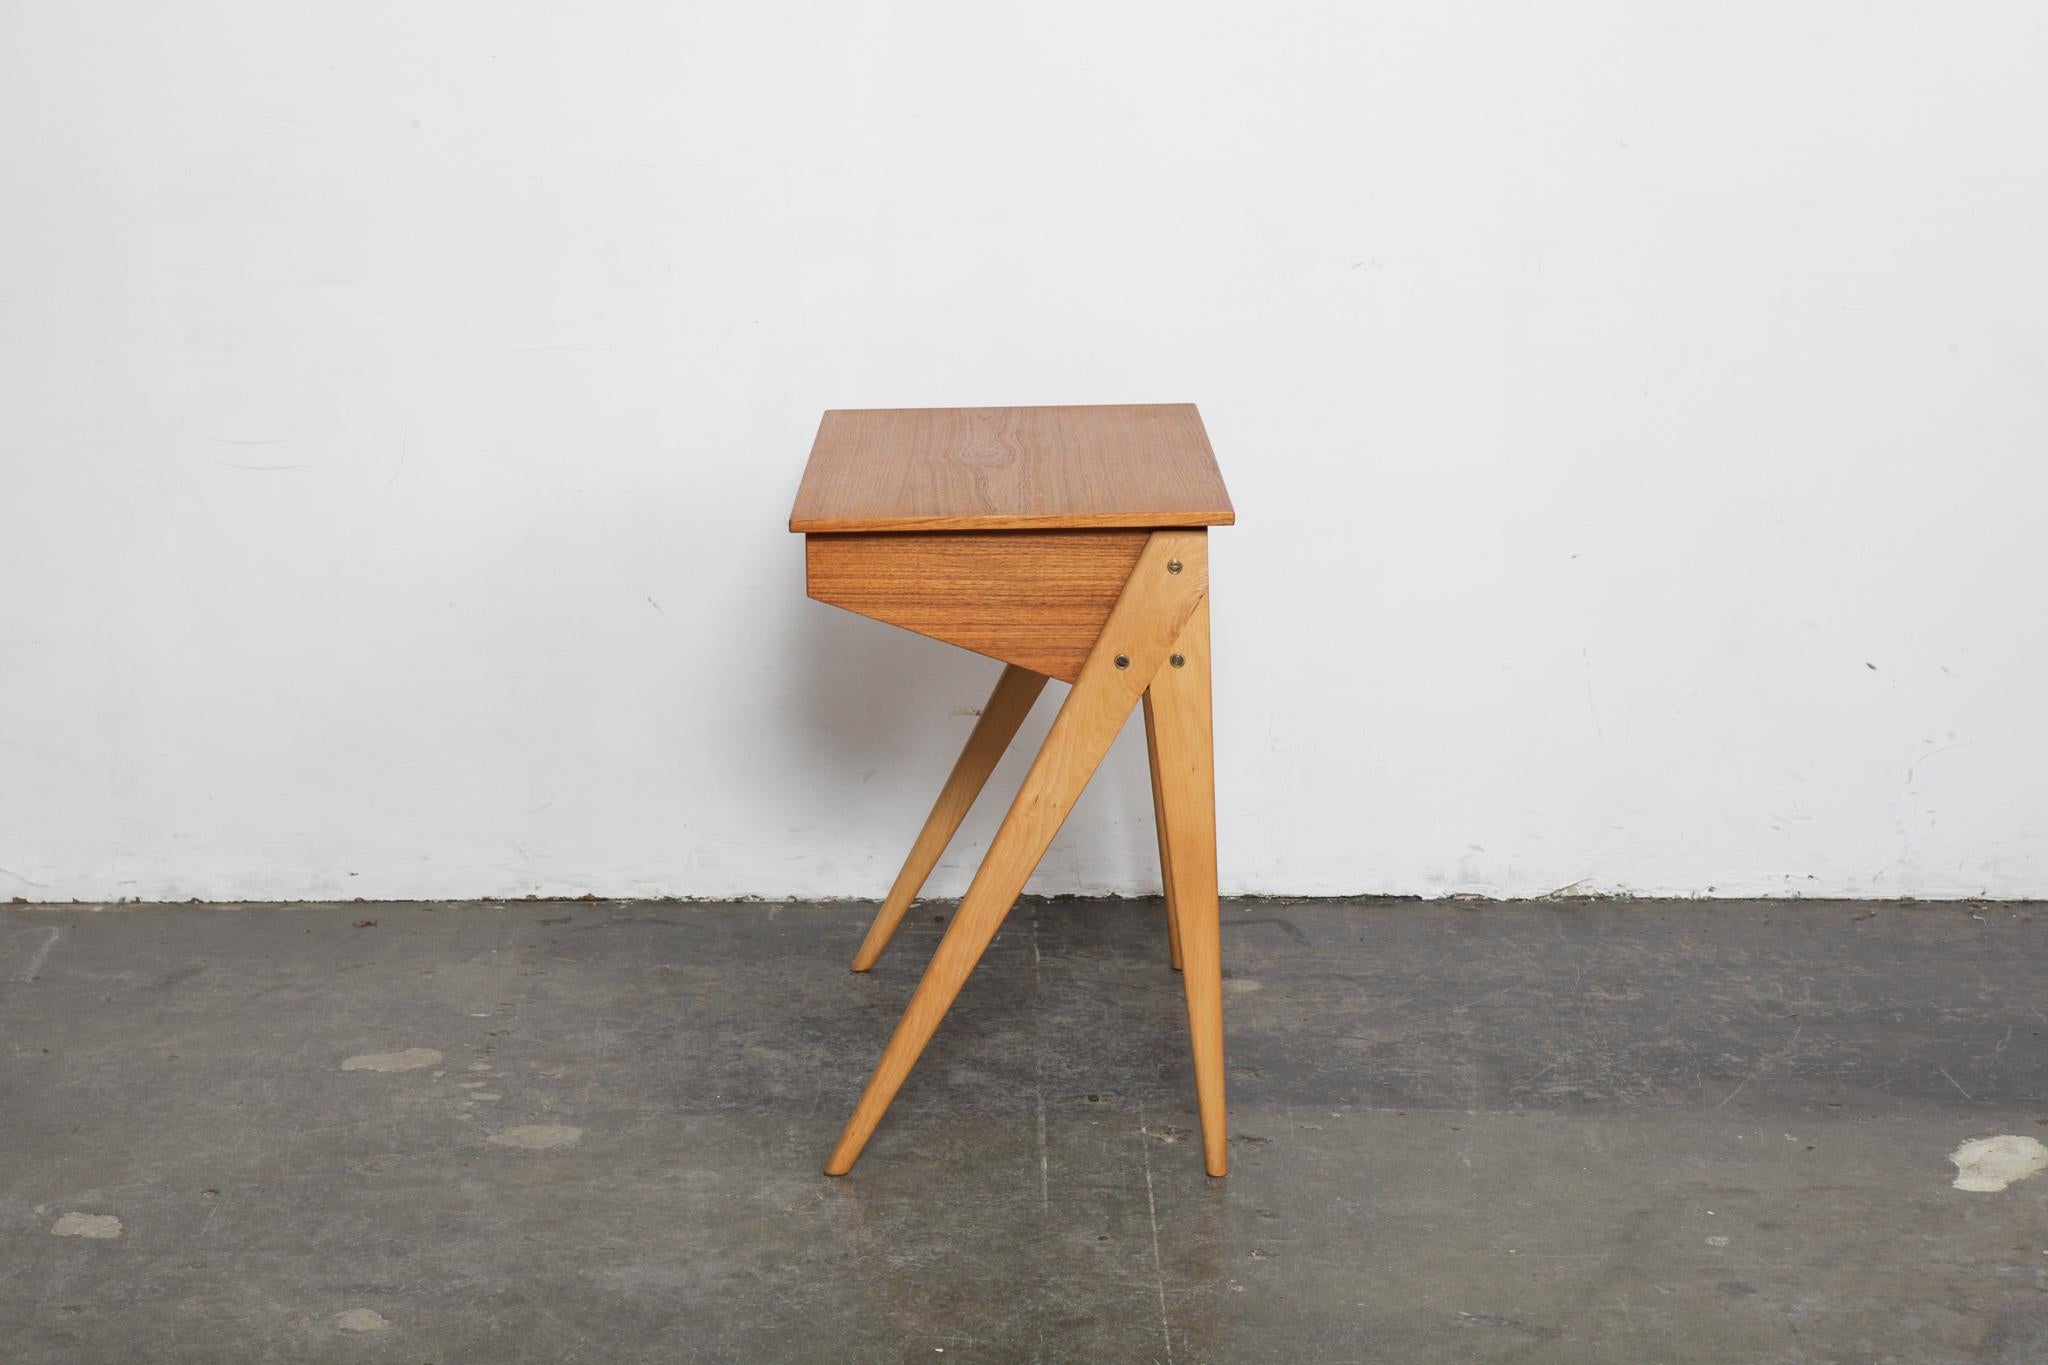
x=1069, y=543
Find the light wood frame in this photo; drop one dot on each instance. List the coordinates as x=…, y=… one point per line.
x=1148, y=641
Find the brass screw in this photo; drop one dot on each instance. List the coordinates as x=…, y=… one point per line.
x=1179, y=661
x=1173, y=566
x=1123, y=661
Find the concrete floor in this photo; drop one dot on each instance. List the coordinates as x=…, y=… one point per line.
x=593, y=1132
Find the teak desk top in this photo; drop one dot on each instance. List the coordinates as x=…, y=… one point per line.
x=1011, y=469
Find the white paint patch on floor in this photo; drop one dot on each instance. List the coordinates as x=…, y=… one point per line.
x=87, y=1225
x=412, y=1059
x=537, y=1135
x=485, y=1095
x=362, y=1320
x=1242, y=985
x=1988, y=1165
x=35, y=959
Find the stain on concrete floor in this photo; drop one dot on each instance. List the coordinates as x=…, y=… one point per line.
x=1577, y=1132
x=1991, y=1165
x=537, y=1136
x=407, y=1059
x=87, y=1225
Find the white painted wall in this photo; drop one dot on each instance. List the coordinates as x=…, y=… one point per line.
x=1635, y=414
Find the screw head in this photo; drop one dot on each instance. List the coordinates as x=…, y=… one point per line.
x=1179, y=661
x=1173, y=566
x=1123, y=661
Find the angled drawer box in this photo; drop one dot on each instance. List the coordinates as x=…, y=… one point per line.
x=1036, y=599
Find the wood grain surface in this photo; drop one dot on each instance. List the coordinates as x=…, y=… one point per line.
x=1007, y=707
x=928, y=469
x=1178, y=703
x=1036, y=599
x=1165, y=838
x=1133, y=647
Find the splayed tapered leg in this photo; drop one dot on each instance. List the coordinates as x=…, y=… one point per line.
x=1007, y=706
x=1180, y=708
x=1164, y=590
x=1159, y=822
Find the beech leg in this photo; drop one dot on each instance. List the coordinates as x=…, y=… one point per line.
x=1015, y=692
x=1164, y=591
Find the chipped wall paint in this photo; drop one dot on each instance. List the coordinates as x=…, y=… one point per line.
x=1639, y=489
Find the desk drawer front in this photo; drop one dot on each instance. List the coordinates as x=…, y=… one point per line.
x=1036, y=599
